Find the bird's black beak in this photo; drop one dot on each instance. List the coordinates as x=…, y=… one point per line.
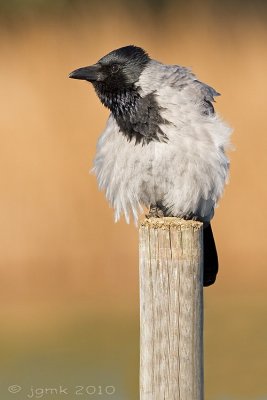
x=91, y=74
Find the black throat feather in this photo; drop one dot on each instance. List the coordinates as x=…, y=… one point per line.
x=138, y=118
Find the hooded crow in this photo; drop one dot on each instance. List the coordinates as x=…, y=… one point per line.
x=163, y=146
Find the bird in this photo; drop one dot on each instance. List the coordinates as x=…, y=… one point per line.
x=164, y=146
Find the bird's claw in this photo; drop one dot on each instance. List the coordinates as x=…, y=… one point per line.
x=155, y=212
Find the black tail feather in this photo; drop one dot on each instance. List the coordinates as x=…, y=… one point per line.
x=211, y=264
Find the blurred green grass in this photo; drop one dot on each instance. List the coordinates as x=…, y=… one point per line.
x=14, y=9
x=86, y=349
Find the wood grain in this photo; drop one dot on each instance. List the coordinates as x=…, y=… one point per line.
x=171, y=309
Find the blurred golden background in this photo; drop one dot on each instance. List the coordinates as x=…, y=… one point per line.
x=69, y=275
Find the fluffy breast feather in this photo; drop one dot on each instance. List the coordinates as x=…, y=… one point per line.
x=186, y=174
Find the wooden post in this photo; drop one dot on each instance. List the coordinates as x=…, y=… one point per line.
x=171, y=309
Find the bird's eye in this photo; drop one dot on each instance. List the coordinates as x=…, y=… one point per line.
x=115, y=68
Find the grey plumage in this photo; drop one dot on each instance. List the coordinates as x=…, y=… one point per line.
x=163, y=143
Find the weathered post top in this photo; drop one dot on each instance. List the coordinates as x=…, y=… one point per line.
x=167, y=222
x=171, y=309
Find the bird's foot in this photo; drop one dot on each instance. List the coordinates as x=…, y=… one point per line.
x=192, y=217
x=155, y=212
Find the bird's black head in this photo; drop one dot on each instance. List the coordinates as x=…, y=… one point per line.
x=114, y=77
x=116, y=71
